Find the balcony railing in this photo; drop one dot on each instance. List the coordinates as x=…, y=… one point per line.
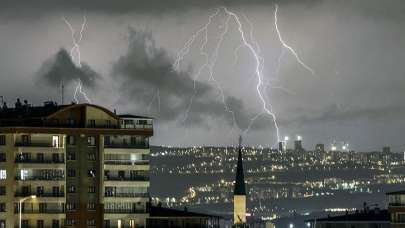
x=41, y=178
x=132, y=178
x=36, y=144
x=45, y=194
x=40, y=161
x=38, y=211
x=126, y=162
x=110, y=194
x=127, y=146
x=125, y=211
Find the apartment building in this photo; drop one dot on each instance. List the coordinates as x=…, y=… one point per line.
x=77, y=165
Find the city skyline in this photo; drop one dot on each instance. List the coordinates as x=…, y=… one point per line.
x=127, y=52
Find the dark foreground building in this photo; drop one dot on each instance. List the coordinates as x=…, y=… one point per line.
x=160, y=217
x=366, y=219
x=77, y=165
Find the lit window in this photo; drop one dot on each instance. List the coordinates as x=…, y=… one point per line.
x=91, y=141
x=3, y=174
x=55, y=141
x=23, y=174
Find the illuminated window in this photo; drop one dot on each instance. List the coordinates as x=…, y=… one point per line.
x=55, y=141
x=23, y=174
x=91, y=141
x=3, y=174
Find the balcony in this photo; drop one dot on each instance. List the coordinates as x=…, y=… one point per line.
x=36, y=144
x=45, y=194
x=40, y=178
x=126, y=195
x=42, y=211
x=39, y=161
x=126, y=162
x=127, y=146
x=125, y=211
x=124, y=178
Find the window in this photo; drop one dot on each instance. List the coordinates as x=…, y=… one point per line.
x=71, y=156
x=92, y=189
x=2, y=223
x=55, y=158
x=2, y=190
x=108, y=123
x=71, y=140
x=55, y=223
x=91, y=222
x=71, y=173
x=24, y=222
x=92, y=123
x=91, y=141
x=91, y=156
x=2, y=140
x=70, y=206
x=3, y=174
x=91, y=173
x=40, y=223
x=70, y=222
x=2, y=207
x=107, y=140
x=2, y=157
x=40, y=190
x=71, y=189
x=71, y=122
x=91, y=206
x=55, y=141
x=40, y=157
x=25, y=139
x=42, y=207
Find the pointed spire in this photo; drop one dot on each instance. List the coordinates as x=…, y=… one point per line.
x=240, y=177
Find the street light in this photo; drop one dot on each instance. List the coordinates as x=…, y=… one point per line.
x=20, y=205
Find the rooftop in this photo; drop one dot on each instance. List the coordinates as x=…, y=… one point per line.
x=372, y=215
x=158, y=211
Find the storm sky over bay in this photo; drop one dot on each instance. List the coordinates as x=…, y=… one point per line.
x=356, y=49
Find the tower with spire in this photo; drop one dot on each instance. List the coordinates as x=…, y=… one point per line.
x=239, y=192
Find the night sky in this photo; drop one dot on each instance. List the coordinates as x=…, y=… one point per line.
x=356, y=49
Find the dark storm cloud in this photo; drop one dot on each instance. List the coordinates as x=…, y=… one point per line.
x=123, y=6
x=146, y=69
x=60, y=67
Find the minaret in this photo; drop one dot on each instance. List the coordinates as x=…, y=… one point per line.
x=239, y=193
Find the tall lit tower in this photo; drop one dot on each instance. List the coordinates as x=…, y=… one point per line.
x=239, y=193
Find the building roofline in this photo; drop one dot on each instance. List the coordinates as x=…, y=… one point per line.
x=73, y=131
x=81, y=105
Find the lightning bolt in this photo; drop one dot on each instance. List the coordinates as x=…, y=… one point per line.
x=210, y=62
x=292, y=51
x=266, y=107
x=156, y=97
x=77, y=58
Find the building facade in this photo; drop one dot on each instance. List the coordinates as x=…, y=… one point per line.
x=77, y=165
x=396, y=208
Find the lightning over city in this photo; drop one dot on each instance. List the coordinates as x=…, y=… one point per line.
x=208, y=114
x=75, y=55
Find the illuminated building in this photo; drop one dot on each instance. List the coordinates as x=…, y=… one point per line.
x=298, y=144
x=396, y=208
x=239, y=193
x=85, y=165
